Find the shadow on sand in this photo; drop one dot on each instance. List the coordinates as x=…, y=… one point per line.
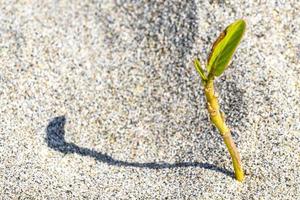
x=55, y=138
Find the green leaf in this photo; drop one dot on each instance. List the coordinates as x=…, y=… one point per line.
x=199, y=69
x=224, y=47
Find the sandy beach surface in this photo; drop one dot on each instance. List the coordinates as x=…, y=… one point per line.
x=99, y=100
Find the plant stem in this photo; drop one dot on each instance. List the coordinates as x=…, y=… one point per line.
x=218, y=119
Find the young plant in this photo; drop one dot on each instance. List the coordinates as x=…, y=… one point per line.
x=218, y=60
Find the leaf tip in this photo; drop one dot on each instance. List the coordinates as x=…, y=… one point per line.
x=199, y=69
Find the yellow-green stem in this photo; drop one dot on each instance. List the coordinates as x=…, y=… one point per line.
x=218, y=120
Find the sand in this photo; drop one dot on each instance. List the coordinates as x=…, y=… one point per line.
x=99, y=100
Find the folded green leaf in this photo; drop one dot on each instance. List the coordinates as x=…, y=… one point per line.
x=199, y=69
x=224, y=47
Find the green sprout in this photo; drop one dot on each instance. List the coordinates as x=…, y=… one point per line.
x=218, y=60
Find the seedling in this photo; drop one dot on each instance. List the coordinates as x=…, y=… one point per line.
x=218, y=60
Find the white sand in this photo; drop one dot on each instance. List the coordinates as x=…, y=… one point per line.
x=134, y=112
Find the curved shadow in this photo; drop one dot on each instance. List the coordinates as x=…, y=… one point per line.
x=55, y=138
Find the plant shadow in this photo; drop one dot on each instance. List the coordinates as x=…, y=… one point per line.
x=55, y=138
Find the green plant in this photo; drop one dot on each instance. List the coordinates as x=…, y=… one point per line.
x=218, y=60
